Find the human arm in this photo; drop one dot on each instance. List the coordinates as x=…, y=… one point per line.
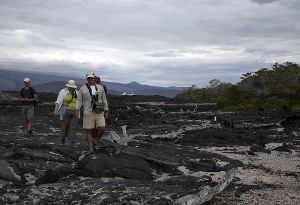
x=34, y=95
x=21, y=95
x=106, y=114
x=59, y=101
x=78, y=103
x=104, y=100
x=55, y=112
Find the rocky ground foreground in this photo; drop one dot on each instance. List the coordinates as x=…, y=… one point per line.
x=155, y=151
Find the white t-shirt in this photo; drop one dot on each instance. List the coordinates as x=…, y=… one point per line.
x=94, y=92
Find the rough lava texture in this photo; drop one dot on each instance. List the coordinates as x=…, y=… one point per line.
x=154, y=151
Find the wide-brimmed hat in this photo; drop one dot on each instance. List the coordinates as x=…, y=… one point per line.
x=71, y=84
x=90, y=75
x=27, y=80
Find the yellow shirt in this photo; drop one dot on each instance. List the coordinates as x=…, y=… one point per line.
x=70, y=105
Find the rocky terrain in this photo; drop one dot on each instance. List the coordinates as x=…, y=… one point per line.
x=155, y=151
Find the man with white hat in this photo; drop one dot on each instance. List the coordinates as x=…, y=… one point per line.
x=95, y=109
x=65, y=108
x=28, y=98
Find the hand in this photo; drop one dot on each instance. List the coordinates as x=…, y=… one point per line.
x=106, y=115
x=55, y=112
x=77, y=114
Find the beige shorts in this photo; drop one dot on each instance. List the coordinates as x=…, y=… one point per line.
x=93, y=120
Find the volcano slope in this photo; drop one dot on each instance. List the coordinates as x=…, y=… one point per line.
x=155, y=151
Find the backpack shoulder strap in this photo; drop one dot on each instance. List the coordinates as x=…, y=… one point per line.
x=31, y=91
x=90, y=89
x=71, y=99
x=74, y=95
x=22, y=92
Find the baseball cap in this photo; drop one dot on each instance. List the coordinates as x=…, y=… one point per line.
x=26, y=79
x=90, y=75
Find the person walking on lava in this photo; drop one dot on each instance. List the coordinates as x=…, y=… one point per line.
x=95, y=109
x=28, y=98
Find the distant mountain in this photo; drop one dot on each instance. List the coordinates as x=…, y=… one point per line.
x=56, y=86
x=13, y=80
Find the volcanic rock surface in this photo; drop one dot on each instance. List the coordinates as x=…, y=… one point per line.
x=155, y=151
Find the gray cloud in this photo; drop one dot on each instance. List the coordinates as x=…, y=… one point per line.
x=264, y=1
x=149, y=41
x=162, y=54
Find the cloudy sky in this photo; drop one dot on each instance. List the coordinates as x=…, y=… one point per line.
x=155, y=42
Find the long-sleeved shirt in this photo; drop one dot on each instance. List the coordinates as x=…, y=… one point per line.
x=84, y=99
x=61, y=95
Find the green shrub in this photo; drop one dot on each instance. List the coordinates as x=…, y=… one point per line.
x=274, y=89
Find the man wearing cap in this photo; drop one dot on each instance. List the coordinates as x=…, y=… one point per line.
x=28, y=98
x=65, y=108
x=90, y=95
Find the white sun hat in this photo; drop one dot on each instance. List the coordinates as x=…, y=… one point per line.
x=71, y=84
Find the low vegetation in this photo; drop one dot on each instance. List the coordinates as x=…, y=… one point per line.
x=268, y=89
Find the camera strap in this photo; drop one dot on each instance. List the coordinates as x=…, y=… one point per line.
x=94, y=97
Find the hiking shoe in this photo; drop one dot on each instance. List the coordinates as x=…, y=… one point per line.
x=85, y=154
x=96, y=146
x=62, y=141
x=72, y=143
x=29, y=133
x=93, y=156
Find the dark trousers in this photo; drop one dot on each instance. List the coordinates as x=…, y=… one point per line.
x=69, y=126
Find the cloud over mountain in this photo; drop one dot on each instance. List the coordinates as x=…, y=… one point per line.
x=168, y=42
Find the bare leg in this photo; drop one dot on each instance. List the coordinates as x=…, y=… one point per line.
x=64, y=128
x=90, y=140
x=100, y=133
x=29, y=124
x=72, y=128
x=26, y=120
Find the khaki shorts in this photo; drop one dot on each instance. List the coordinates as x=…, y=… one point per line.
x=93, y=120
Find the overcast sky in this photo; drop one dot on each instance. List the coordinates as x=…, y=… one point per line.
x=155, y=42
